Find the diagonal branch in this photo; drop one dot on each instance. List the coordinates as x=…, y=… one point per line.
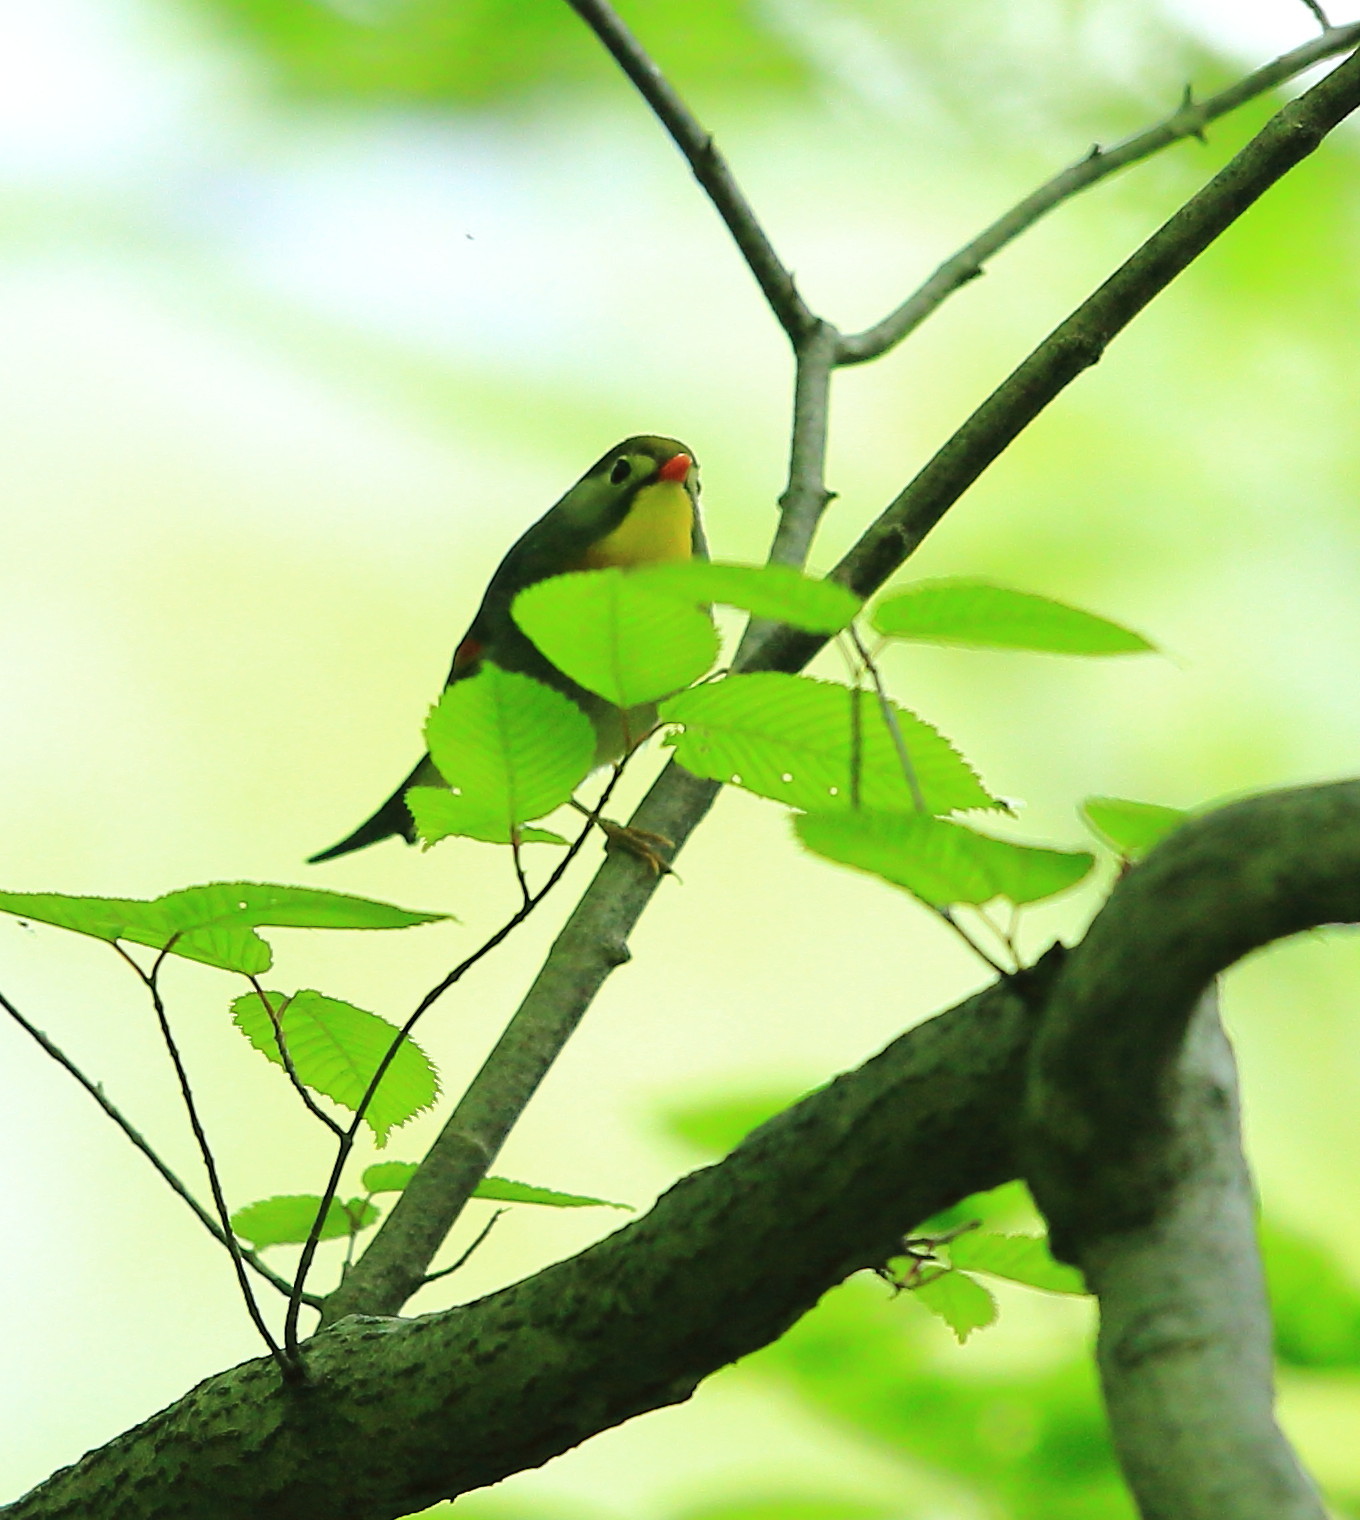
x=1189, y=119
x=708, y=165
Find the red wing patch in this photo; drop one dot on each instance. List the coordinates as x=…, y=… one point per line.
x=467, y=653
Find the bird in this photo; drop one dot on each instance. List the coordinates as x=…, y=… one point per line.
x=638, y=504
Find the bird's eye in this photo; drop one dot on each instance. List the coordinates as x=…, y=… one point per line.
x=621, y=471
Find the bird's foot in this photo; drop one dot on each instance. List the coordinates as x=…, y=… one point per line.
x=642, y=843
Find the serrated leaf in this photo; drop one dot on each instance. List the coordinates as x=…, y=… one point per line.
x=792, y=738
x=288, y=1219
x=617, y=636
x=439, y=814
x=1130, y=828
x=777, y=592
x=502, y=1190
x=388, y=1176
x=335, y=1049
x=941, y=861
x=979, y=614
x=214, y=923
x=1017, y=1258
x=963, y=1304
x=510, y=748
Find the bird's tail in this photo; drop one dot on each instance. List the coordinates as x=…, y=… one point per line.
x=393, y=817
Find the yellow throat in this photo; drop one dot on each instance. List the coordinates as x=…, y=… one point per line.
x=659, y=528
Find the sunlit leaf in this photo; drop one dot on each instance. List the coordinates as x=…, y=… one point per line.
x=793, y=738
x=963, y=1304
x=510, y=749
x=214, y=923
x=941, y=861
x=1130, y=828
x=388, y=1176
x=502, y=1190
x=981, y=615
x=288, y=1219
x=616, y=635
x=335, y=1049
x=777, y=592
x=1018, y=1258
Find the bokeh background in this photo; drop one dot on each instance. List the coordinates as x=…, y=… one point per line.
x=307, y=309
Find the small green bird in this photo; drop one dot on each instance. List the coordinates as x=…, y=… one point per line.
x=636, y=505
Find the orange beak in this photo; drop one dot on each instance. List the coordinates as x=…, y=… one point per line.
x=675, y=468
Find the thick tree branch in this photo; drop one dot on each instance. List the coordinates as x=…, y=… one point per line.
x=399, y=1413
x=595, y=938
x=1131, y=1147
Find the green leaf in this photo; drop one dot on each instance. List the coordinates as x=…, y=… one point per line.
x=980, y=615
x=388, y=1176
x=964, y=1305
x=617, y=636
x=214, y=923
x=778, y=592
x=502, y=1190
x=941, y=861
x=1130, y=828
x=792, y=738
x=287, y=1220
x=510, y=749
x=335, y=1049
x=1018, y=1258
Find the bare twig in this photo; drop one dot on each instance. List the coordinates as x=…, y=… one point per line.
x=1188, y=120
x=708, y=165
x=175, y=1184
x=463, y=1260
x=287, y=1365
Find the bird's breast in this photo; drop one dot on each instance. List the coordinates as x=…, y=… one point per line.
x=659, y=528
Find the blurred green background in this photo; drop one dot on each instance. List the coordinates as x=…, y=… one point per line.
x=307, y=309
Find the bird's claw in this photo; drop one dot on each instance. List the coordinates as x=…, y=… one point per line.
x=642, y=843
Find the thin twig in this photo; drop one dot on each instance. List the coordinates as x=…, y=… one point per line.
x=1319, y=14
x=285, y=1056
x=346, y=1144
x=144, y=1146
x=889, y=716
x=287, y=1365
x=1188, y=120
x=885, y=707
x=706, y=162
x=467, y=1255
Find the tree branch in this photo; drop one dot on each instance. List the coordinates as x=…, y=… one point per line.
x=1131, y=1147
x=400, y=1413
x=1189, y=119
x=708, y=165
